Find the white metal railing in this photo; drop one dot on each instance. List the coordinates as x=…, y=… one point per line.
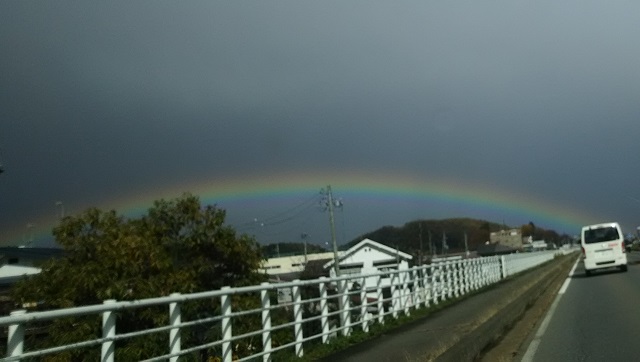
x=319, y=310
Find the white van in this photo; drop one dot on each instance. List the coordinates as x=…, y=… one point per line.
x=603, y=247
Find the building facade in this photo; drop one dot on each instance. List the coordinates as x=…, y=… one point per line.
x=511, y=238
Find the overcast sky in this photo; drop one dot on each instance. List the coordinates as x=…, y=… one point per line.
x=102, y=101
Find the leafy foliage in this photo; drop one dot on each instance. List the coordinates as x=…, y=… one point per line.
x=178, y=246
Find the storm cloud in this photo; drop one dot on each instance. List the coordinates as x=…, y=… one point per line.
x=102, y=100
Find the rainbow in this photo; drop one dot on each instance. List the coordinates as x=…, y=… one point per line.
x=227, y=192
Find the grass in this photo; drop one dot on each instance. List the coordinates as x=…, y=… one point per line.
x=314, y=351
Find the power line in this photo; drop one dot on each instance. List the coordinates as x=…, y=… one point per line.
x=288, y=216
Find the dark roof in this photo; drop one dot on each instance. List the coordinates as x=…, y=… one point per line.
x=318, y=263
x=494, y=249
x=284, y=277
x=9, y=281
x=31, y=253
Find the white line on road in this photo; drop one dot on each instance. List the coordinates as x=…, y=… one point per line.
x=533, y=346
x=568, y=280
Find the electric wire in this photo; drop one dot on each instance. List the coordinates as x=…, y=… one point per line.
x=282, y=217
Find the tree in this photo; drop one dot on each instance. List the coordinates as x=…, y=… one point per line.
x=178, y=246
x=528, y=229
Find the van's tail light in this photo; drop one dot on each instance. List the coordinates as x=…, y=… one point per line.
x=584, y=254
x=624, y=248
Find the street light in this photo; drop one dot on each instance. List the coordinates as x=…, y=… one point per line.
x=30, y=232
x=61, y=205
x=304, y=237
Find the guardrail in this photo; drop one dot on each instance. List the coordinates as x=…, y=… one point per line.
x=317, y=311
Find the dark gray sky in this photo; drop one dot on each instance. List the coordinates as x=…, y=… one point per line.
x=102, y=102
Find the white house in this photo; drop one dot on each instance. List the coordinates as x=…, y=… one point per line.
x=368, y=257
x=15, y=262
x=365, y=257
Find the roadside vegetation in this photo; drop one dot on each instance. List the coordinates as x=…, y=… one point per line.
x=181, y=246
x=177, y=246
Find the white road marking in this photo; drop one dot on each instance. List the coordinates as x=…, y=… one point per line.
x=533, y=346
x=568, y=280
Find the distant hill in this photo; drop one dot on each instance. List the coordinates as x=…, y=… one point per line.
x=407, y=237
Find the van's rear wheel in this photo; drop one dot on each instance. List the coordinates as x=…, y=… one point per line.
x=587, y=272
x=623, y=267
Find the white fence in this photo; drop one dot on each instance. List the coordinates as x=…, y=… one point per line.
x=250, y=324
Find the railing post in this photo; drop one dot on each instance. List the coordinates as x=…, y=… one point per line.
x=471, y=278
x=456, y=279
x=472, y=274
x=426, y=285
x=363, y=305
x=345, y=309
x=297, y=316
x=266, y=322
x=225, y=305
x=175, y=319
x=487, y=265
x=418, y=291
x=405, y=292
x=380, y=299
x=475, y=273
x=15, y=339
x=482, y=266
x=394, y=295
x=324, y=310
x=108, y=331
x=465, y=276
x=450, y=285
x=503, y=262
x=434, y=284
x=442, y=281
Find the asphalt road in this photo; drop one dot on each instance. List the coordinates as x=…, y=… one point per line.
x=594, y=318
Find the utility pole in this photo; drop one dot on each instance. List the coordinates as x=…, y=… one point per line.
x=304, y=236
x=445, y=247
x=432, y=248
x=466, y=246
x=1, y=168
x=333, y=230
x=30, y=231
x=420, y=235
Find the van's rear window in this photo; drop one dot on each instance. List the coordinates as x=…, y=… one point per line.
x=601, y=234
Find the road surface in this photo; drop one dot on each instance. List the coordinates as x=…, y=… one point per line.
x=594, y=318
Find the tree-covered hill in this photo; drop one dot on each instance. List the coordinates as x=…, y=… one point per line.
x=407, y=237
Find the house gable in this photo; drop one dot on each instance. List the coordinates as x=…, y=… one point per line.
x=367, y=253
